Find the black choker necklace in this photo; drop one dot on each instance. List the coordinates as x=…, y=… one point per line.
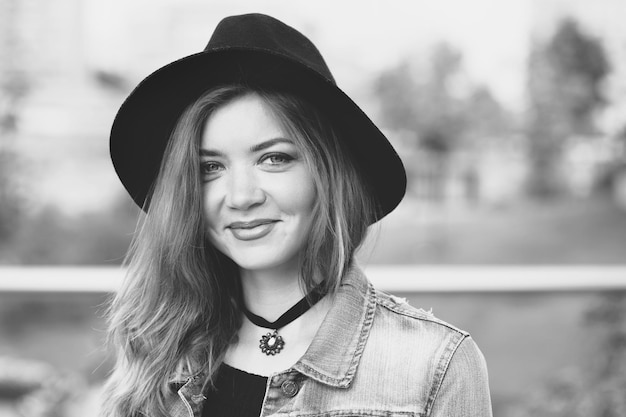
x=272, y=343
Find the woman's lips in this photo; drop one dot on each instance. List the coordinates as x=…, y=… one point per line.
x=255, y=229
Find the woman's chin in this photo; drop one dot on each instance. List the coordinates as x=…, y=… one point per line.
x=264, y=261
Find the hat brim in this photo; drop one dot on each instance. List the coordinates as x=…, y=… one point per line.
x=147, y=117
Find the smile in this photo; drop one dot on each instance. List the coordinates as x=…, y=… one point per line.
x=252, y=230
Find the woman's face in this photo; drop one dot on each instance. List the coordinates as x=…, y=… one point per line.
x=258, y=192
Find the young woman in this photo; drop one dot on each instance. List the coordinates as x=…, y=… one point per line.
x=259, y=178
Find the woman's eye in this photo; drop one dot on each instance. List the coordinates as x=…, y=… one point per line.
x=209, y=168
x=276, y=159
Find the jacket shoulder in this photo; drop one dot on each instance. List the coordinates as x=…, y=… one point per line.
x=415, y=349
x=397, y=306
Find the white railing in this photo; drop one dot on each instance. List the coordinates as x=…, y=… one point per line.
x=405, y=278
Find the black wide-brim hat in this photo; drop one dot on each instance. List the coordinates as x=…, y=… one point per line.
x=256, y=50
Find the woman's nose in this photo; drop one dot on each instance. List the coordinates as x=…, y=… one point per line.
x=244, y=191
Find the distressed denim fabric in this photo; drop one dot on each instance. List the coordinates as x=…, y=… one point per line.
x=374, y=355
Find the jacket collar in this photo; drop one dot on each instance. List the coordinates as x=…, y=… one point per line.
x=333, y=356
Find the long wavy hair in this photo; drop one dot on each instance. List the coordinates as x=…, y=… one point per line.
x=177, y=311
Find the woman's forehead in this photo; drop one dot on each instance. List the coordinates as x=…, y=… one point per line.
x=244, y=122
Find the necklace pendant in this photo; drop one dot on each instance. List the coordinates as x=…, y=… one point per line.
x=271, y=343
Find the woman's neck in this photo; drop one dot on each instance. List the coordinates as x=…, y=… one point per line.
x=269, y=293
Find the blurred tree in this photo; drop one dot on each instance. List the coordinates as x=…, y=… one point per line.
x=597, y=387
x=13, y=88
x=488, y=118
x=112, y=81
x=609, y=378
x=426, y=104
x=10, y=199
x=565, y=75
x=443, y=112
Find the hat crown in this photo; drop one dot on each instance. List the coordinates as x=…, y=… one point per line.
x=264, y=33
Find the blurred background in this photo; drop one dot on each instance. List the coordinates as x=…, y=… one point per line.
x=510, y=117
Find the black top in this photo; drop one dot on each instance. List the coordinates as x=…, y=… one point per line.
x=237, y=394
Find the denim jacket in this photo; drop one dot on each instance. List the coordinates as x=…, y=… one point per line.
x=374, y=355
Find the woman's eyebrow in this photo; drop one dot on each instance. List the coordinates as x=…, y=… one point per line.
x=256, y=148
x=269, y=143
x=207, y=152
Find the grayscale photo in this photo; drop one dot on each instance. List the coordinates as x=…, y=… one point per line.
x=317, y=209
